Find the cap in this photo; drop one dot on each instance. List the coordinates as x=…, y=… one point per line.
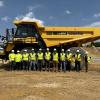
x=54, y=49
x=18, y=51
x=32, y=49
x=68, y=50
x=47, y=49
x=12, y=50
x=77, y=51
x=62, y=49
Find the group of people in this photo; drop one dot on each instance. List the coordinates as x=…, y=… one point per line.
x=47, y=61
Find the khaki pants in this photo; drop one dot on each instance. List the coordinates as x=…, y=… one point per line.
x=55, y=66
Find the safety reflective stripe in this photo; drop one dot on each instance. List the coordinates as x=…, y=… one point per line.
x=47, y=55
x=40, y=56
x=62, y=56
x=25, y=57
x=11, y=56
x=55, y=57
x=33, y=56
x=69, y=56
x=18, y=58
x=78, y=57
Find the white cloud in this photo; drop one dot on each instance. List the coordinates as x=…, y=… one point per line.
x=1, y=3
x=31, y=8
x=5, y=19
x=96, y=15
x=68, y=12
x=94, y=24
x=29, y=17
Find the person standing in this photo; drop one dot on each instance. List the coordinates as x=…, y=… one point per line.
x=62, y=61
x=55, y=60
x=25, y=58
x=87, y=60
x=33, y=60
x=47, y=59
x=12, y=60
x=77, y=61
x=69, y=58
x=18, y=59
x=40, y=59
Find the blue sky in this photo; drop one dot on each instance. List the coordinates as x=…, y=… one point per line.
x=50, y=12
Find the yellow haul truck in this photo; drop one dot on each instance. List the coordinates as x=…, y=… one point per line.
x=30, y=34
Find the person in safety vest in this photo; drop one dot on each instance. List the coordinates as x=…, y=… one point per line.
x=62, y=60
x=55, y=60
x=40, y=58
x=18, y=59
x=25, y=58
x=12, y=60
x=33, y=60
x=87, y=60
x=47, y=59
x=69, y=59
x=77, y=61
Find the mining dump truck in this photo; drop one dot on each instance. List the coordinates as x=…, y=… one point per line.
x=30, y=34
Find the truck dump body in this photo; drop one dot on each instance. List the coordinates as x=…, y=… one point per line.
x=29, y=33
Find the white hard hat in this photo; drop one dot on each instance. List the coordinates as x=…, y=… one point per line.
x=32, y=49
x=54, y=49
x=25, y=50
x=40, y=49
x=68, y=50
x=12, y=50
x=62, y=49
x=47, y=49
x=18, y=51
x=77, y=51
x=86, y=52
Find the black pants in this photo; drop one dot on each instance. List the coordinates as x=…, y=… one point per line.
x=68, y=65
x=25, y=65
x=40, y=64
x=86, y=66
x=47, y=66
x=77, y=65
x=12, y=65
x=18, y=65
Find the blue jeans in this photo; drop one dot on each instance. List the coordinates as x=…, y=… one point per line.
x=33, y=65
x=63, y=66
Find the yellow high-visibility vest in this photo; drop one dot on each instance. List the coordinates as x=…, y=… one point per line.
x=78, y=57
x=32, y=56
x=47, y=55
x=55, y=56
x=62, y=56
x=25, y=57
x=69, y=56
x=18, y=57
x=11, y=56
x=40, y=56
x=89, y=59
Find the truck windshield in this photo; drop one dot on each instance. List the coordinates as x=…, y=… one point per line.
x=25, y=30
